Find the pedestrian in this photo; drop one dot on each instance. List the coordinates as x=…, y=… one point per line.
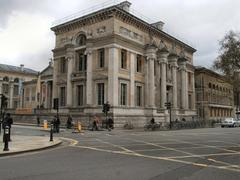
x=8, y=121
x=38, y=121
x=57, y=124
x=53, y=122
x=152, y=121
x=95, y=123
x=110, y=124
x=69, y=122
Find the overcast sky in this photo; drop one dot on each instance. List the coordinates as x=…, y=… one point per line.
x=26, y=38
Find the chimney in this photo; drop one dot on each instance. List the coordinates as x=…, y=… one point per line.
x=22, y=67
x=125, y=5
x=158, y=25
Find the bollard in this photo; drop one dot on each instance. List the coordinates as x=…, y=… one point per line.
x=51, y=132
x=6, y=138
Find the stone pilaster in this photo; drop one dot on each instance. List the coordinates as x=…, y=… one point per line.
x=174, y=65
x=11, y=94
x=89, y=92
x=146, y=89
x=46, y=95
x=113, y=76
x=70, y=64
x=132, y=79
x=193, y=92
x=55, y=72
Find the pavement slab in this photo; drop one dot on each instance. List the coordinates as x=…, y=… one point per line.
x=22, y=144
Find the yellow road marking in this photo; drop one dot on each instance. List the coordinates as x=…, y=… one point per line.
x=73, y=142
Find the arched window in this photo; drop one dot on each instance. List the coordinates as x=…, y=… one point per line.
x=6, y=79
x=210, y=85
x=16, y=80
x=81, y=40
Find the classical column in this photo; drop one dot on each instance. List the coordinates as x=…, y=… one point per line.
x=163, y=62
x=158, y=91
x=89, y=77
x=174, y=65
x=132, y=79
x=113, y=76
x=69, y=82
x=151, y=57
x=46, y=94
x=184, y=96
x=11, y=95
x=151, y=82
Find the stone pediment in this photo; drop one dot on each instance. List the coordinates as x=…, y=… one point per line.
x=47, y=71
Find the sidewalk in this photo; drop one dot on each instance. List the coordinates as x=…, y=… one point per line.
x=22, y=144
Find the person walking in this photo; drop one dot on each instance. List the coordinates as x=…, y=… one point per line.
x=110, y=124
x=38, y=121
x=57, y=124
x=69, y=122
x=8, y=121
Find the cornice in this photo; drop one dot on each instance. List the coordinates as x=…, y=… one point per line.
x=117, y=12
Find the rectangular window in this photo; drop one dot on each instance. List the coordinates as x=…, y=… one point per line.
x=124, y=59
x=123, y=94
x=139, y=63
x=85, y=63
x=190, y=101
x=139, y=96
x=80, y=95
x=63, y=65
x=101, y=57
x=62, y=96
x=82, y=61
x=100, y=93
x=15, y=90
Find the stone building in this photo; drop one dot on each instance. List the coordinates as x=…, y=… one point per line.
x=214, y=95
x=112, y=55
x=37, y=93
x=11, y=80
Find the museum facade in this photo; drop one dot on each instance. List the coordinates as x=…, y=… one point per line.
x=113, y=56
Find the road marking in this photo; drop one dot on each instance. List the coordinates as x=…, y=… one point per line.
x=73, y=142
x=229, y=168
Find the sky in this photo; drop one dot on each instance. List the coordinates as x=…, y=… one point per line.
x=26, y=38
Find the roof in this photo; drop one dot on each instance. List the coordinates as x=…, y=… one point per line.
x=72, y=22
x=200, y=69
x=16, y=69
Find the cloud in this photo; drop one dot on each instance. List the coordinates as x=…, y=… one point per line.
x=26, y=35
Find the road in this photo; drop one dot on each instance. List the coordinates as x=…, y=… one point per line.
x=211, y=153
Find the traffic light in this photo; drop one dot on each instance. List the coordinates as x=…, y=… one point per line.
x=55, y=103
x=4, y=101
x=168, y=105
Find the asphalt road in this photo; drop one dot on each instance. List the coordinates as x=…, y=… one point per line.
x=202, y=154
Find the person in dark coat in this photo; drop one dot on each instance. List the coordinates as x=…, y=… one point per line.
x=57, y=124
x=110, y=124
x=38, y=121
x=69, y=122
x=8, y=121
